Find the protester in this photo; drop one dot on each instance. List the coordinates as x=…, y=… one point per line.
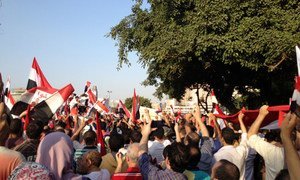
x=236, y=155
x=31, y=171
x=55, y=152
x=225, y=170
x=9, y=159
x=88, y=165
x=29, y=147
x=90, y=141
x=131, y=157
x=16, y=134
x=273, y=155
x=109, y=162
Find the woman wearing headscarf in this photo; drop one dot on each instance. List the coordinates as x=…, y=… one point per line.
x=31, y=171
x=56, y=152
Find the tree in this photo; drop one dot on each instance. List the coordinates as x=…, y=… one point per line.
x=143, y=102
x=225, y=45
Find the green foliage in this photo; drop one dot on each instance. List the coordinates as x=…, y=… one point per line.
x=143, y=102
x=229, y=45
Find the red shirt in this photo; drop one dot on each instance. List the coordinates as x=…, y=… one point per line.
x=132, y=173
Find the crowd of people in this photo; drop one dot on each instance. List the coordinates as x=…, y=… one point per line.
x=190, y=146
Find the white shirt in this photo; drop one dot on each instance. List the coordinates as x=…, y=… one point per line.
x=236, y=155
x=273, y=155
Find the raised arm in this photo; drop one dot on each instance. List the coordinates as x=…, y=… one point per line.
x=77, y=132
x=146, y=130
x=216, y=126
x=242, y=125
x=197, y=115
x=291, y=154
x=263, y=112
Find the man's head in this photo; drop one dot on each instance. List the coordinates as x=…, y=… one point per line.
x=223, y=170
x=34, y=129
x=88, y=161
x=4, y=131
x=228, y=136
x=192, y=139
x=177, y=157
x=195, y=156
x=90, y=138
x=135, y=136
x=159, y=133
x=116, y=142
x=16, y=127
x=132, y=154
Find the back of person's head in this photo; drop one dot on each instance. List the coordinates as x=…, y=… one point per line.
x=195, y=156
x=34, y=129
x=192, y=139
x=228, y=136
x=133, y=152
x=135, y=136
x=223, y=170
x=159, y=133
x=116, y=142
x=90, y=137
x=272, y=136
x=16, y=127
x=283, y=175
x=210, y=130
x=103, y=125
x=60, y=125
x=94, y=157
x=178, y=156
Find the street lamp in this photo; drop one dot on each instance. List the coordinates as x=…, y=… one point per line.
x=109, y=92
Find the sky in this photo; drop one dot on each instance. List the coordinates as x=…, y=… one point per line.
x=68, y=39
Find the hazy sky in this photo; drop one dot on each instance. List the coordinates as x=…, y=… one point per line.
x=68, y=39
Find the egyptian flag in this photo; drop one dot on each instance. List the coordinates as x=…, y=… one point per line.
x=36, y=77
x=98, y=105
x=87, y=86
x=8, y=98
x=100, y=135
x=295, y=105
x=215, y=103
x=135, y=107
x=47, y=108
x=32, y=96
x=122, y=106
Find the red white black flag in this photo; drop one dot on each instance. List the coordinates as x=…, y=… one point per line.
x=47, y=108
x=295, y=104
x=36, y=77
x=122, y=106
x=8, y=98
x=32, y=97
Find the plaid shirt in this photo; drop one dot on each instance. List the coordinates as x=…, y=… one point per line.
x=150, y=171
x=29, y=149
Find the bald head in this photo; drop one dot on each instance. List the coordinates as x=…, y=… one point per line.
x=224, y=169
x=133, y=152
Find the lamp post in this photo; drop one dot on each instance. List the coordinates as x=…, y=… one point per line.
x=109, y=92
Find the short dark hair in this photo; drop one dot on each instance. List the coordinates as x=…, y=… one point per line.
x=227, y=170
x=195, y=156
x=159, y=133
x=283, y=175
x=210, y=130
x=34, y=129
x=135, y=136
x=90, y=137
x=94, y=157
x=16, y=126
x=178, y=156
x=116, y=142
x=228, y=135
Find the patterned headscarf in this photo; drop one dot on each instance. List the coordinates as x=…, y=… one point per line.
x=30, y=171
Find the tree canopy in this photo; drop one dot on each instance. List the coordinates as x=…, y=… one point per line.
x=143, y=102
x=228, y=45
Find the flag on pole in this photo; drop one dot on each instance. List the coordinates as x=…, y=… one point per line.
x=47, y=108
x=100, y=135
x=87, y=86
x=36, y=77
x=135, y=107
x=8, y=98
